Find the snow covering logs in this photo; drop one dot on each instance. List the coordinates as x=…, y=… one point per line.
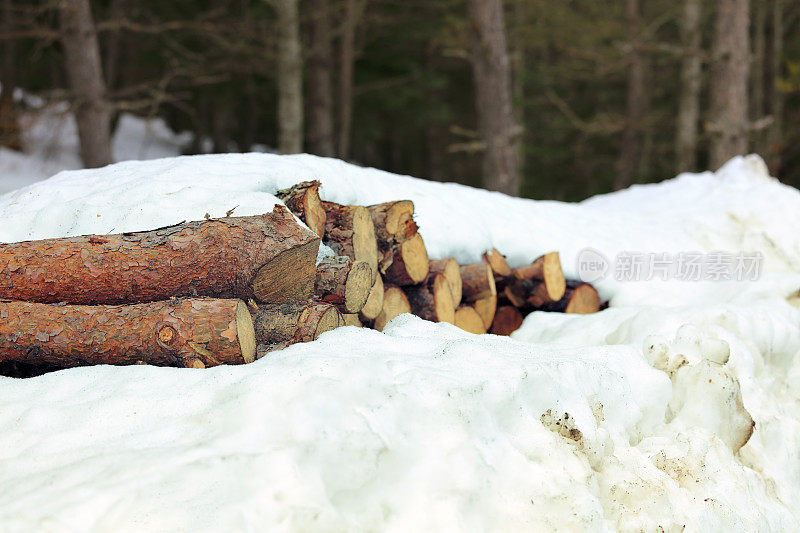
x=231, y=290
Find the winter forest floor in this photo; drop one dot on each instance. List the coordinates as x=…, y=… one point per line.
x=425, y=427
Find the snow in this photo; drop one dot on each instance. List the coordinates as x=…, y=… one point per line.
x=634, y=418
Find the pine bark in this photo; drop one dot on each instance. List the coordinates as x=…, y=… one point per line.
x=195, y=332
x=491, y=75
x=691, y=82
x=729, y=77
x=349, y=231
x=268, y=257
x=320, y=84
x=85, y=75
x=776, y=99
x=303, y=200
x=344, y=283
x=347, y=57
x=290, y=78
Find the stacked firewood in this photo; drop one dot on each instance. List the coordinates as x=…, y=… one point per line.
x=231, y=290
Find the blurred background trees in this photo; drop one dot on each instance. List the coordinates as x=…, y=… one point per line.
x=547, y=99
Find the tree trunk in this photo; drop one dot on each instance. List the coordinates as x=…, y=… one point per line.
x=320, y=85
x=757, y=71
x=349, y=231
x=636, y=99
x=290, y=78
x=492, y=80
x=82, y=62
x=294, y=322
x=344, y=283
x=395, y=303
x=268, y=257
x=347, y=55
x=691, y=80
x=303, y=200
x=547, y=270
x=775, y=135
x=195, y=332
x=449, y=268
x=409, y=263
x=729, y=76
x=579, y=297
x=432, y=299
x=477, y=282
x=9, y=126
x=497, y=262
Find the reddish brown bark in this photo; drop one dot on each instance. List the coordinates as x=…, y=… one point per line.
x=268, y=257
x=194, y=332
x=294, y=322
x=349, y=231
x=507, y=320
x=579, y=298
x=477, y=282
x=303, y=200
x=344, y=283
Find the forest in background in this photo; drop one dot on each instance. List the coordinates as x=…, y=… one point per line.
x=569, y=98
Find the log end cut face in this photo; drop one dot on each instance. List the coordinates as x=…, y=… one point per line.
x=246, y=332
x=395, y=303
x=469, y=320
x=374, y=304
x=400, y=220
x=584, y=300
x=415, y=258
x=365, y=247
x=328, y=320
x=357, y=289
x=553, y=276
x=289, y=277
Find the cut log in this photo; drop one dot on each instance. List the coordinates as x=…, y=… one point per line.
x=352, y=320
x=349, y=231
x=497, y=262
x=395, y=303
x=469, y=320
x=452, y=273
x=515, y=293
x=432, y=299
x=343, y=282
x=477, y=282
x=394, y=223
x=303, y=200
x=295, y=322
x=194, y=332
x=486, y=308
x=579, y=297
x=268, y=257
x=409, y=264
x=546, y=269
x=507, y=320
x=374, y=303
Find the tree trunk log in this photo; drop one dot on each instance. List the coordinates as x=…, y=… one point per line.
x=268, y=257
x=547, y=269
x=507, y=320
x=349, y=231
x=468, y=319
x=409, y=263
x=290, y=77
x=352, y=320
x=579, y=297
x=486, y=309
x=303, y=200
x=432, y=299
x=374, y=303
x=344, y=283
x=395, y=303
x=294, y=322
x=394, y=223
x=477, y=282
x=497, y=262
x=320, y=79
x=452, y=273
x=691, y=83
x=195, y=332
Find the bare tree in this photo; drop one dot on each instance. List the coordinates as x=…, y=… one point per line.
x=290, y=78
x=85, y=75
x=347, y=57
x=729, y=76
x=775, y=134
x=636, y=99
x=320, y=85
x=9, y=127
x=691, y=82
x=491, y=73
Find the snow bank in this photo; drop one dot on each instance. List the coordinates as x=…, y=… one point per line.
x=634, y=418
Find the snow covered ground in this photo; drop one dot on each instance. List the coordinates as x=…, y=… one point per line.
x=632, y=419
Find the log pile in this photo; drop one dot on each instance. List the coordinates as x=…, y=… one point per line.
x=232, y=290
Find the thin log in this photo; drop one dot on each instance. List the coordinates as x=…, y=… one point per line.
x=268, y=257
x=486, y=308
x=374, y=303
x=507, y=320
x=409, y=264
x=295, y=322
x=452, y=273
x=546, y=269
x=344, y=283
x=579, y=298
x=432, y=299
x=349, y=231
x=497, y=262
x=394, y=223
x=395, y=303
x=193, y=332
x=469, y=320
x=477, y=282
x=303, y=200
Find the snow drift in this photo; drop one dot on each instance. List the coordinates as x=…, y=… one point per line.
x=675, y=408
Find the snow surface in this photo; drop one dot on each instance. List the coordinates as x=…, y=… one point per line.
x=630, y=419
